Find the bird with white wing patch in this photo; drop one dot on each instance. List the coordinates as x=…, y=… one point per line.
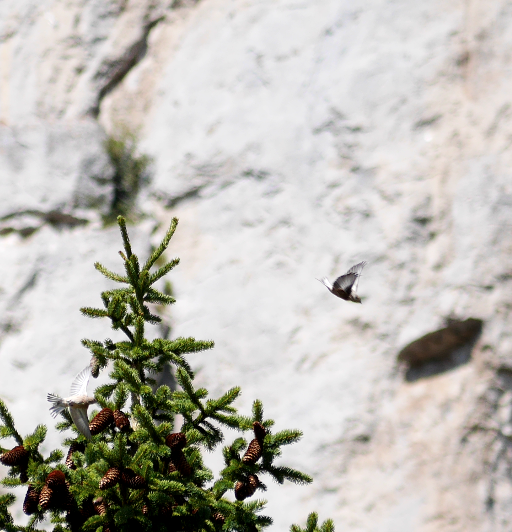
x=77, y=402
x=345, y=286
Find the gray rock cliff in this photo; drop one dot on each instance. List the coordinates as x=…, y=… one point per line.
x=293, y=138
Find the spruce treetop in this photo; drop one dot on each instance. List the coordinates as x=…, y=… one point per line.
x=141, y=467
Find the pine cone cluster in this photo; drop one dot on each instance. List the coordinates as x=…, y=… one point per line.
x=177, y=442
x=259, y=430
x=132, y=480
x=75, y=446
x=121, y=420
x=253, y=453
x=59, y=498
x=101, y=421
x=56, y=479
x=179, y=463
x=45, y=497
x=110, y=478
x=31, y=501
x=100, y=506
x=15, y=457
x=255, y=449
x=127, y=476
x=218, y=518
x=245, y=488
x=55, y=493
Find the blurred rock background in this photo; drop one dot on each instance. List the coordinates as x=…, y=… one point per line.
x=293, y=138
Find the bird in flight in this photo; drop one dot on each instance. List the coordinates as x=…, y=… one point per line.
x=77, y=402
x=345, y=286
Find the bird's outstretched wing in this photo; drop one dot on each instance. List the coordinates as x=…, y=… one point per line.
x=79, y=417
x=357, y=269
x=79, y=386
x=345, y=282
x=349, y=281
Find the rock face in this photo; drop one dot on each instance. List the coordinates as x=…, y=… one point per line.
x=292, y=139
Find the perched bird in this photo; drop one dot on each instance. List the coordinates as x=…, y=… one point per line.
x=345, y=286
x=77, y=402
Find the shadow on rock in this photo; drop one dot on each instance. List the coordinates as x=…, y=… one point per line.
x=441, y=350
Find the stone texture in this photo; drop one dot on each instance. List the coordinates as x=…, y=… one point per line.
x=292, y=139
x=47, y=167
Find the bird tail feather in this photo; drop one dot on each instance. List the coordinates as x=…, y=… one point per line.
x=325, y=282
x=57, y=408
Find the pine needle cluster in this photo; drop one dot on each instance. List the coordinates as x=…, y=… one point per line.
x=141, y=471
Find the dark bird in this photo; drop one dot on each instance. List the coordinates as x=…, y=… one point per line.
x=345, y=286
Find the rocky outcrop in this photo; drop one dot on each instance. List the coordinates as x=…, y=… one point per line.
x=49, y=166
x=292, y=139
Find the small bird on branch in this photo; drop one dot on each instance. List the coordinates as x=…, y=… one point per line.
x=345, y=286
x=77, y=402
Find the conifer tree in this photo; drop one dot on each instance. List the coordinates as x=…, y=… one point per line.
x=138, y=470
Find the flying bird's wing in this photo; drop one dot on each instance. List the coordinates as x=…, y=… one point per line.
x=79, y=417
x=79, y=386
x=345, y=282
x=357, y=269
x=348, y=282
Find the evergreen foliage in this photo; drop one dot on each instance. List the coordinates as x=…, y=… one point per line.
x=131, y=172
x=312, y=525
x=142, y=472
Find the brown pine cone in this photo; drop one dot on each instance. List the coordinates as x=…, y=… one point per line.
x=103, y=419
x=259, y=431
x=254, y=482
x=145, y=509
x=177, y=440
x=100, y=506
x=121, y=420
x=244, y=489
x=95, y=367
x=15, y=457
x=56, y=479
x=241, y=492
x=253, y=453
x=75, y=446
x=179, y=463
x=46, y=497
x=70, y=503
x=132, y=480
x=218, y=518
x=31, y=501
x=110, y=478
x=61, y=498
